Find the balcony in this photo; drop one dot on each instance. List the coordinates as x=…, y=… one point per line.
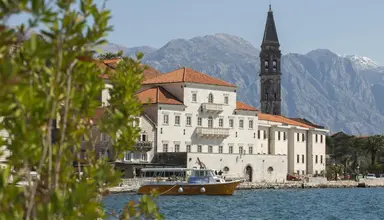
x=212, y=132
x=212, y=107
x=143, y=146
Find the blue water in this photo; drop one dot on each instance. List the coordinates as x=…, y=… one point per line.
x=332, y=204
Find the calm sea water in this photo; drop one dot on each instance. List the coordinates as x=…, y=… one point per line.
x=358, y=203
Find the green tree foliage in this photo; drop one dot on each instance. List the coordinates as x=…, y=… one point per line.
x=50, y=77
x=334, y=171
x=373, y=145
x=109, y=55
x=353, y=152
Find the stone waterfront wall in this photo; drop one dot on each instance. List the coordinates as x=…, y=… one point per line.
x=132, y=185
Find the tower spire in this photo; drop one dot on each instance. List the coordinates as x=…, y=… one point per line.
x=270, y=69
x=270, y=7
x=270, y=33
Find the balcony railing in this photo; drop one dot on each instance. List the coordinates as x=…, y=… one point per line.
x=143, y=145
x=212, y=107
x=212, y=132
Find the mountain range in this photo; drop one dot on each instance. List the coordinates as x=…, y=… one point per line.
x=342, y=93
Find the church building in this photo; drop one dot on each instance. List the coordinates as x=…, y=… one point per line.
x=193, y=120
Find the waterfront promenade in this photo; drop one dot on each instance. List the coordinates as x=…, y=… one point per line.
x=132, y=185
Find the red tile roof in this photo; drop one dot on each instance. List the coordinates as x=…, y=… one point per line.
x=99, y=112
x=112, y=61
x=305, y=121
x=244, y=107
x=282, y=119
x=148, y=72
x=187, y=75
x=157, y=95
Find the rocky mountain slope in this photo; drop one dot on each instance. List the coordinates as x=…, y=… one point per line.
x=339, y=92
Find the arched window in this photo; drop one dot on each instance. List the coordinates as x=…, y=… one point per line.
x=274, y=65
x=266, y=64
x=210, y=98
x=210, y=122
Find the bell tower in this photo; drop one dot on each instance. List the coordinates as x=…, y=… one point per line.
x=270, y=72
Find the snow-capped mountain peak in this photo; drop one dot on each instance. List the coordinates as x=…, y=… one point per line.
x=361, y=62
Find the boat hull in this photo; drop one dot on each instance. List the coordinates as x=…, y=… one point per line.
x=226, y=188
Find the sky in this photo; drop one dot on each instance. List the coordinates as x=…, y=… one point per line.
x=343, y=26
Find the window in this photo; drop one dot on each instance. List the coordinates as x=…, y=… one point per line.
x=199, y=121
x=194, y=97
x=210, y=122
x=189, y=121
x=321, y=138
x=231, y=123
x=241, y=150
x=303, y=137
x=199, y=148
x=165, y=147
x=254, y=135
x=265, y=134
x=278, y=135
x=102, y=137
x=161, y=130
x=285, y=135
x=128, y=156
x=210, y=98
x=177, y=147
x=241, y=123
x=316, y=159
x=274, y=65
x=220, y=149
x=231, y=149
x=221, y=122
x=316, y=138
x=298, y=171
x=250, y=150
x=165, y=119
x=303, y=172
x=266, y=64
x=188, y=148
x=298, y=137
x=184, y=132
x=302, y=158
x=143, y=137
x=210, y=149
x=236, y=133
x=258, y=134
x=226, y=100
x=177, y=120
x=298, y=159
x=250, y=122
x=321, y=159
x=144, y=157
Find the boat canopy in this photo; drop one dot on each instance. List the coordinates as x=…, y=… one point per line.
x=164, y=169
x=170, y=169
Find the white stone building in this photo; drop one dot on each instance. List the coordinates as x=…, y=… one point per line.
x=197, y=120
x=4, y=152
